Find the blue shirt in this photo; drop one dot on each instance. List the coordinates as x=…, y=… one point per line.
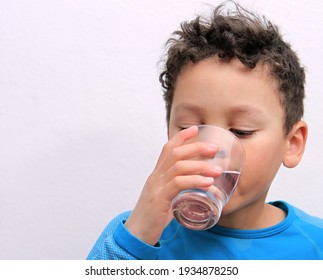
x=298, y=237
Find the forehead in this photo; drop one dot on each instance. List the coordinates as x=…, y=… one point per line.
x=226, y=80
x=233, y=71
x=221, y=84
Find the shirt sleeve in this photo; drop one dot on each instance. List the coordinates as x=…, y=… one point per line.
x=117, y=243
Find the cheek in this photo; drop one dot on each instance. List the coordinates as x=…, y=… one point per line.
x=261, y=166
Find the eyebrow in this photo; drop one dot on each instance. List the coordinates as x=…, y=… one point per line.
x=188, y=107
x=237, y=109
x=246, y=109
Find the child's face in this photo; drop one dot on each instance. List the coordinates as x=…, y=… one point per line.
x=244, y=101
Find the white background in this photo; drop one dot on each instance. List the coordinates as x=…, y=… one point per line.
x=82, y=118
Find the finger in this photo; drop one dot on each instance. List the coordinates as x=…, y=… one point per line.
x=180, y=183
x=192, y=167
x=178, y=140
x=196, y=151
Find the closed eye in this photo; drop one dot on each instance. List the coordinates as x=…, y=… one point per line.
x=242, y=133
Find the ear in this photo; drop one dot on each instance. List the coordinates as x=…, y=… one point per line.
x=296, y=141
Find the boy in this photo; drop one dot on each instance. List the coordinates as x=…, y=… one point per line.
x=233, y=71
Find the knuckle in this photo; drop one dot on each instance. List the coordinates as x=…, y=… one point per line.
x=177, y=182
x=165, y=147
x=177, y=167
x=175, y=153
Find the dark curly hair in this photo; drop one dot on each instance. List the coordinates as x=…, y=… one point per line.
x=237, y=34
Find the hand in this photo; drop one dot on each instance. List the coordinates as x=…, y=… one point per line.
x=176, y=170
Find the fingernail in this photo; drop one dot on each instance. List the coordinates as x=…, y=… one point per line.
x=208, y=180
x=217, y=169
x=213, y=147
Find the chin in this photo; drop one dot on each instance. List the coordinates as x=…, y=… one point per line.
x=234, y=204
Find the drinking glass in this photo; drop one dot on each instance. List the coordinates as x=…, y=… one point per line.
x=198, y=209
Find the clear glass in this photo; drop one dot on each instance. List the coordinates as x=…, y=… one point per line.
x=200, y=210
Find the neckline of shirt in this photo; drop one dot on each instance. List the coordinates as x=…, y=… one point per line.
x=259, y=233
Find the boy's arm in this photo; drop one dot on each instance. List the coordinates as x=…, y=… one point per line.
x=117, y=243
x=137, y=235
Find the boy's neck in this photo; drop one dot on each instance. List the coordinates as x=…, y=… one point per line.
x=254, y=216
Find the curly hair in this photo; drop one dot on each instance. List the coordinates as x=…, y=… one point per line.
x=237, y=34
